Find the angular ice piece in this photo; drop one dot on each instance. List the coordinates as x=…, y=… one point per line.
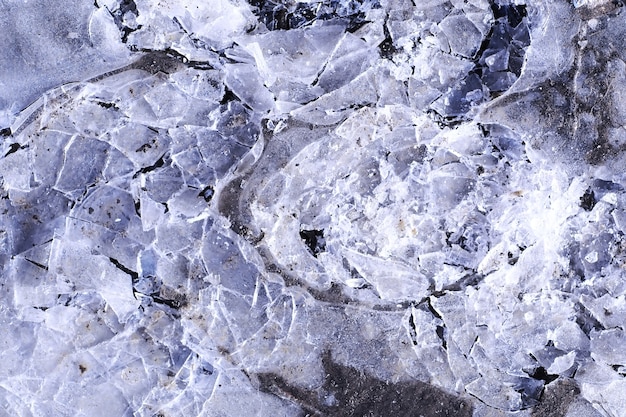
x=117, y=169
x=83, y=164
x=216, y=23
x=187, y=203
x=35, y=217
x=167, y=101
x=223, y=258
x=150, y=212
x=91, y=118
x=338, y=104
x=203, y=85
x=161, y=184
x=458, y=100
x=463, y=36
x=392, y=280
x=78, y=269
x=196, y=171
x=498, y=61
x=607, y=346
x=562, y=363
x=235, y=384
x=297, y=55
x=48, y=156
x=245, y=82
x=596, y=373
x=116, y=288
x=19, y=341
x=351, y=58
x=582, y=408
x=499, y=80
x=32, y=286
x=294, y=92
x=450, y=184
x=219, y=152
x=16, y=170
x=104, y=34
x=140, y=144
x=421, y=93
x=235, y=119
x=495, y=394
x=609, y=397
x=460, y=364
x=569, y=337
x=176, y=235
x=109, y=207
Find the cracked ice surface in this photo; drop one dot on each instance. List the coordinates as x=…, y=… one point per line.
x=329, y=208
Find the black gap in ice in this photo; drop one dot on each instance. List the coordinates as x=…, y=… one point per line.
x=134, y=275
x=158, y=164
x=207, y=193
x=542, y=374
x=588, y=200
x=412, y=330
x=14, y=147
x=174, y=304
x=386, y=47
x=107, y=105
x=314, y=240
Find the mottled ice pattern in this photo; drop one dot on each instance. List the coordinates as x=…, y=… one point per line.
x=323, y=208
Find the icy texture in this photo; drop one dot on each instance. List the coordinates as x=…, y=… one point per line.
x=329, y=208
x=47, y=45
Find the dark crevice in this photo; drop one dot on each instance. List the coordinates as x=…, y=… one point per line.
x=207, y=193
x=542, y=374
x=174, y=304
x=228, y=96
x=440, y=331
x=107, y=105
x=314, y=240
x=37, y=264
x=134, y=275
x=588, y=200
x=158, y=164
x=619, y=369
x=14, y=147
x=472, y=279
x=427, y=306
x=412, y=330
